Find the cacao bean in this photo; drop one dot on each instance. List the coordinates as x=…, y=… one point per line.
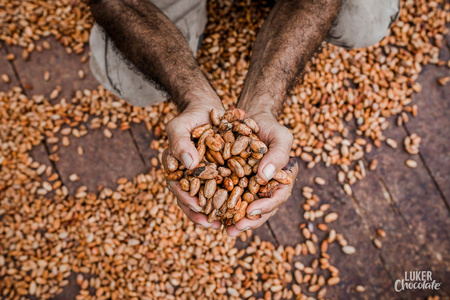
x=252, y=124
x=282, y=177
x=215, y=117
x=236, y=167
x=239, y=145
x=184, y=184
x=267, y=191
x=224, y=172
x=209, y=188
x=172, y=163
x=234, y=196
x=177, y=175
x=198, y=131
x=195, y=186
x=258, y=147
x=219, y=198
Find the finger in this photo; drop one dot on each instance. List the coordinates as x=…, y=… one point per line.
x=198, y=218
x=184, y=197
x=267, y=205
x=181, y=145
x=277, y=156
x=246, y=224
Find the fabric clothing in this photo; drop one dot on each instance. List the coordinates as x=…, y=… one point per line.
x=359, y=24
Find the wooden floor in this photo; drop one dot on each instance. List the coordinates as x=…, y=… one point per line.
x=410, y=205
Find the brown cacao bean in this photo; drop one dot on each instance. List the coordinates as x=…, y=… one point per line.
x=252, y=124
x=194, y=187
x=172, y=163
x=177, y=175
x=210, y=188
x=236, y=167
x=258, y=147
x=234, y=196
x=184, y=184
x=282, y=177
x=219, y=198
x=198, y=131
x=239, y=145
x=215, y=117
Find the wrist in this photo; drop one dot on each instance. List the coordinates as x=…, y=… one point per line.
x=205, y=102
x=260, y=106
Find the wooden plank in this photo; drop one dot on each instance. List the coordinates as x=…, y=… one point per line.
x=362, y=268
x=419, y=202
x=432, y=123
x=6, y=68
x=400, y=250
x=143, y=138
x=63, y=68
x=103, y=161
x=38, y=153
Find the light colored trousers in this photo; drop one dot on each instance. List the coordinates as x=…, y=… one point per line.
x=360, y=23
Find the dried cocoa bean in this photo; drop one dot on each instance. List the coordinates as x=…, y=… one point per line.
x=201, y=198
x=236, y=167
x=224, y=172
x=239, y=145
x=208, y=207
x=234, y=178
x=219, y=198
x=209, y=188
x=258, y=147
x=240, y=214
x=243, y=182
x=217, y=156
x=205, y=172
x=241, y=128
x=234, y=197
x=198, y=131
x=248, y=197
x=252, y=124
x=253, y=186
x=177, y=175
x=226, y=153
x=172, y=163
x=194, y=187
x=184, y=184
x=229, y=137
x=267, y=191
x=228, y=184
x=215, y=117
x=212, y=216
x=282, y=177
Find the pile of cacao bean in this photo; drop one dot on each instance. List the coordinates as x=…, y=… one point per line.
x=226, y=180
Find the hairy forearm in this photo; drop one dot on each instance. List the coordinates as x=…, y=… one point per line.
x=153, y=44
x=287, y=40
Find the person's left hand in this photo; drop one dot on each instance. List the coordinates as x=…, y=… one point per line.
x=279, y=141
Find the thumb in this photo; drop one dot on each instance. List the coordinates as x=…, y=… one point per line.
x=277, y=156
x=182, y=147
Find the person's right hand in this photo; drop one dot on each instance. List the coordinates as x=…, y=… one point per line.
x=182, y=148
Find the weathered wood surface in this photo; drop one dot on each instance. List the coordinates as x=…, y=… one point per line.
x=433, y=123
x=411, y=205
x=63, y=68
x=362, y=268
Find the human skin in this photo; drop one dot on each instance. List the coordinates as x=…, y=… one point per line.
x=156, y=48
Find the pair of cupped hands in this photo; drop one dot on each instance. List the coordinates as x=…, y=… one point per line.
x=278, y=139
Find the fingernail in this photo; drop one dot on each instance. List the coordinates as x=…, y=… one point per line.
x=216, y=226
x=187, y=160
x=246, y=228
x=255, y=212
x=194, y=209
x=269, y=171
